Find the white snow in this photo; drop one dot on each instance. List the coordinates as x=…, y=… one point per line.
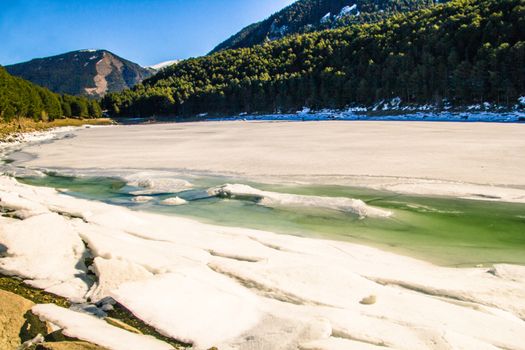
x=49, y=253
x=347, y=10
x=112, y=273
x=96, y=331
x=214, y=308
x=154, y=183
x=326, y=18
x=175, y=201
x=305, y=110
x=266, y=198
x=244, y=289
x=164, y=64
x=142, y=199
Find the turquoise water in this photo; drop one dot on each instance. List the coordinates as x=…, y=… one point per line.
x=445, y=231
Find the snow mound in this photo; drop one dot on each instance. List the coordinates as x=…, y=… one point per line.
x=270, y=199
x=175, y=201
x=152, y=184
x=111, y=273
x=214, y=308
x=45, y=250
x=96, y=331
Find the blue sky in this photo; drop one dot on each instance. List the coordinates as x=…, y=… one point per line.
x=143, y=31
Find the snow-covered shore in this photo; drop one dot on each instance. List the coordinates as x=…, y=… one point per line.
x=243, y=289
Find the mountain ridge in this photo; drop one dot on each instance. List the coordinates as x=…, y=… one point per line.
x=86, y=72
x=305, y=16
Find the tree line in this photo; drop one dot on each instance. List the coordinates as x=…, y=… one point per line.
x=20, y=98
x=465, y=51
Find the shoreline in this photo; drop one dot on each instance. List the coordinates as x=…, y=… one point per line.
x=15, y=131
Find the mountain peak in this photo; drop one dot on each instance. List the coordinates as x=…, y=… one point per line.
x=88, y=72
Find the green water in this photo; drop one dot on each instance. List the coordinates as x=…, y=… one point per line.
x=445, y=231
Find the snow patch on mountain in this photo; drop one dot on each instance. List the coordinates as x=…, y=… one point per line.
x=347, y=10
x=164, y=64
x=326, y=18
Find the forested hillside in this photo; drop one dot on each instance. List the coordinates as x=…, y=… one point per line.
x=464, y=51
x=306, y=16
x=22, y=99
x=84, y=72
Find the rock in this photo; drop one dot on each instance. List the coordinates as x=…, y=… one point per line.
x=13, y=321
x=69, y=345
x=370, y=300
x=142, y=199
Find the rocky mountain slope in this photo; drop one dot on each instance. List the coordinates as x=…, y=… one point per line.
x=84, y=72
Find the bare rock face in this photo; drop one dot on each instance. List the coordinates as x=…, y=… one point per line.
x=84, y=72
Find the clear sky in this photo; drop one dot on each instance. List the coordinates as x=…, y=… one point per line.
x=143, y=31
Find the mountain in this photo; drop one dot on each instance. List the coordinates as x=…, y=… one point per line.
x=464, y=51
x=20, y=98
x=306, y=16
x=84, y=72
x=161, y=65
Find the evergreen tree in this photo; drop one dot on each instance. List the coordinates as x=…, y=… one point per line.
x=22, y=99
x=465, y=51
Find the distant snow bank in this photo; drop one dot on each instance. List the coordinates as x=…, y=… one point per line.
x=395, y=109
x=237, y=288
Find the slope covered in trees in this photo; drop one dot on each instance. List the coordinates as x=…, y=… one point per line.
x=306, y=16
x=465, y=51
x=84, y=72
x=20, y=98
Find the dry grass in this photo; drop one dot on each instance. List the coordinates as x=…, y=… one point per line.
x=28, y=125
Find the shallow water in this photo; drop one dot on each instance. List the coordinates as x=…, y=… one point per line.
x=445, y=231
